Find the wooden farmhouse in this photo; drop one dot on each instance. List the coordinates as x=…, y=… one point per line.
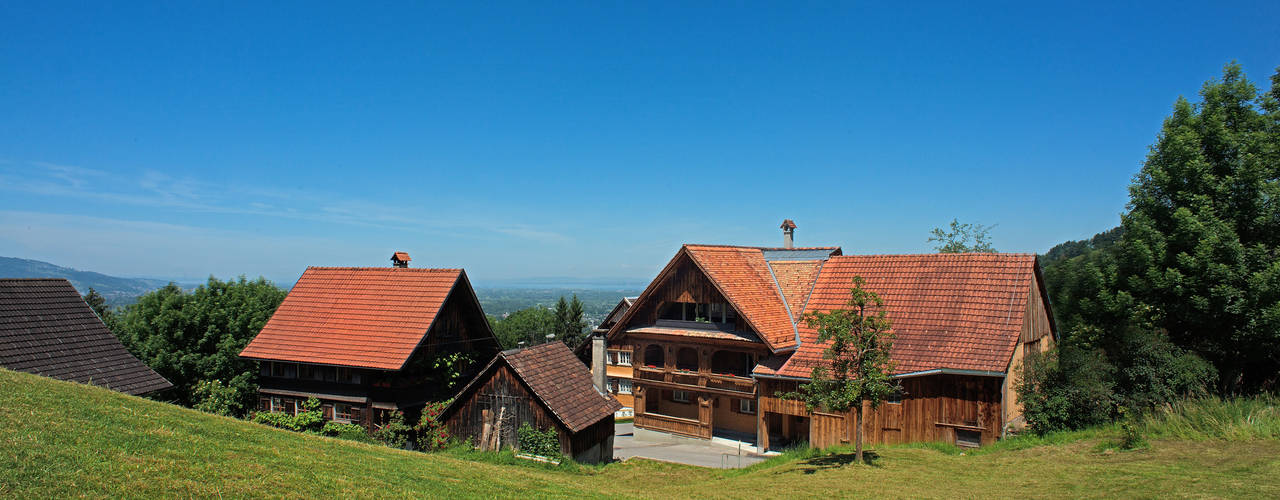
x=719, y=332
x=363, y=340
x=545, y=386
x=46, y=328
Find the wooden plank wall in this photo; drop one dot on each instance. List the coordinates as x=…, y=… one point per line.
x=503, y=389
x=1036, y=335
x=931, y=409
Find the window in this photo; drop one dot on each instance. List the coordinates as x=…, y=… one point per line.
x=747, y=406
x=613, y=358
x=896, y=397
x=264, y=369
x=264, y=404
x=624, y=386
x=971, y=439
x=624, y=358
x=680, y=396
x=309, y=372
x=343, y=412
x=348, y=376
x=613, y=385
x=289, y=407
x=284, y=370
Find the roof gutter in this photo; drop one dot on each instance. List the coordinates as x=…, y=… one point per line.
x=950, y=371
x=781, y=377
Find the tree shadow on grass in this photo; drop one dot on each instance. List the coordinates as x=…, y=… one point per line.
x=837, y=460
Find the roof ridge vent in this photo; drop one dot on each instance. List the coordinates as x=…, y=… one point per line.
x=400, y=259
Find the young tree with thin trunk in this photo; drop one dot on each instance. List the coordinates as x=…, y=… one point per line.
x=855, y=365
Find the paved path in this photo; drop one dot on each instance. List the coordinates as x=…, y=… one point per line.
x=669, y=448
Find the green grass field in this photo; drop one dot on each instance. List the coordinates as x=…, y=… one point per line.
x=59, y=439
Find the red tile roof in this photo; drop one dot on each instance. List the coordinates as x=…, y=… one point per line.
x=557, y=378
x=371, y=317
x=743, y=276
x=796, y=279
x=952, y=311
x=787, y=224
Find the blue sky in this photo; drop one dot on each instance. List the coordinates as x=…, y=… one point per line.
x=588, y=140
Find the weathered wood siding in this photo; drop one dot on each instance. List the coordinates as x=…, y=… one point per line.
x=503, y=389
x=1037, y=336
x=932, y=409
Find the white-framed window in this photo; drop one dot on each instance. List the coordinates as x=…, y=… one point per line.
x=680, y=396
x=343, y=412
x=747, y=406
x=624, y=386
x=624, y=358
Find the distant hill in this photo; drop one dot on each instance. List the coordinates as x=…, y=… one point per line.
x=116, y=290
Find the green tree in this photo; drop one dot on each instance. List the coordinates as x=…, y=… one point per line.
x=570, y=328
x=198, y=336
x=1201, y=244
x=855, y=365
x=530, y=325
x=962, y=238
x=99, y=306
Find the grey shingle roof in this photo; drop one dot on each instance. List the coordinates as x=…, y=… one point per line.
x=47, y=329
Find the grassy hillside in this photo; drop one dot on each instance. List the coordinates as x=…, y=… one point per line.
x=60, y=439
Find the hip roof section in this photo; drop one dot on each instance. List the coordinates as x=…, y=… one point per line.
x=370, y=317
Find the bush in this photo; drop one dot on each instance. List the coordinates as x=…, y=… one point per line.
x=213, y=396
x=1065, y=389
x=545, y=443
x=309, y=420
x=430, y=431
x=395, y=433
x=351, y=432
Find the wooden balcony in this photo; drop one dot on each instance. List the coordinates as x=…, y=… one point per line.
x=688, y=380
x=674, y=425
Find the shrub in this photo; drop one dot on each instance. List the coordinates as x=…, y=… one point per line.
x=309, y=420
x=213, y=396
x=395, y=433
x=544, y=443
x=430, y=431
x=1066, y=389
x=351, y=432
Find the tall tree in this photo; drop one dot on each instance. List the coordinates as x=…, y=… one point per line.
x=855, y=365
x=99, y=306
x=1201, y=244
x=193, y=337
x=570, y=325
x=962, y=238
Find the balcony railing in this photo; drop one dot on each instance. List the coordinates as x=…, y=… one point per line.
x=674, y=425
x=697, y=380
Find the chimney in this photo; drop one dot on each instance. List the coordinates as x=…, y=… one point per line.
x=400, y=259
x=788, y=233
x=597, y=363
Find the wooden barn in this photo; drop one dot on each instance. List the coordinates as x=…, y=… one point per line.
x=720, y=332
x=545, y=386
x=47, y=329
